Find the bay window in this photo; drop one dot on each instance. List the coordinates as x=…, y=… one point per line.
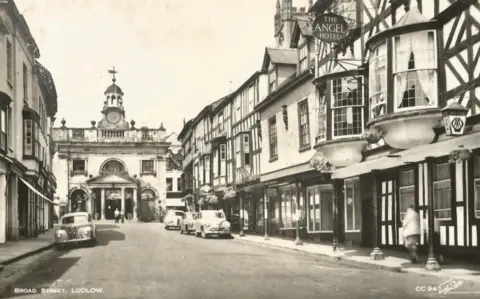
x=303, y=57
x=347, y=106
x=378, y=81
x=320, y=208
x=246, y=149
x=476, y=186
x=406, y=191
x=322, y=116
x=353, y=208
x=414, y=71
x=442, y=191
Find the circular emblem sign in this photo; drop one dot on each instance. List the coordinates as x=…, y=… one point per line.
x=330, y=28
x=457, y=124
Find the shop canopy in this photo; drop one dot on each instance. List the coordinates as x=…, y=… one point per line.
x=36, y=191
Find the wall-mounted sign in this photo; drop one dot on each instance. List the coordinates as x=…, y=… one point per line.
x=455, y=118
x=330, y=28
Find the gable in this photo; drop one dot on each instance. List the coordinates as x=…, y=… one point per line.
x=111, y=178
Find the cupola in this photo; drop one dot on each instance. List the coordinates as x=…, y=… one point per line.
x=113, y=93
x=404, y=99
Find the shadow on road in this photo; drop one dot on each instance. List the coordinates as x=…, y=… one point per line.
x=104, y=237
x=41, y=275
x=106, y=226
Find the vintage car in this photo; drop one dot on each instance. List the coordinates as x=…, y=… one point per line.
x=76, y=228
x=172, y=219
x=187, y=223
x=212, y=223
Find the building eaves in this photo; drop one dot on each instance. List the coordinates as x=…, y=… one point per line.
x=279, y=56
x=292, y=82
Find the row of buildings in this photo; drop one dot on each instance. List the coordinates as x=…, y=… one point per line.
x=338, y=140
x=28, y=104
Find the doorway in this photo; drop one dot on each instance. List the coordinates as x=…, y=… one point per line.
x=110, y=206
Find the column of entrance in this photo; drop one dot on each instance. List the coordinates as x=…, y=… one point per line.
x=122, y=198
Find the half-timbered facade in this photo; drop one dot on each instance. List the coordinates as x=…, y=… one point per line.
x=403, y=63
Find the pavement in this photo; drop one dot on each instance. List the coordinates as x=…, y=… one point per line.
x=394, y=261
x=143, y=260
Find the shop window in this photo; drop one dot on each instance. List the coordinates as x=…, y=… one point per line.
x=320, y=208
x=406, y=191
x=378, y=81
x=442, y=191
x=353, y=209
x=414, y=71
x=347, y=106
x=79, y=165
x=288, y=206
x=477, y=187
x=169, y=184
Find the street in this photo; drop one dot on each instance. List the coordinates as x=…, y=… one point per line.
x=143, y=260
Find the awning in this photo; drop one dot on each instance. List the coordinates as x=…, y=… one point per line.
x=175, y=202
x=36, y=191
x=413, y=155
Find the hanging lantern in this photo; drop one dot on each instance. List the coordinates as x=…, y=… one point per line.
x=455, y=118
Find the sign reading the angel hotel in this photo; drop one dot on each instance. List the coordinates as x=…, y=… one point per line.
x=330, y=28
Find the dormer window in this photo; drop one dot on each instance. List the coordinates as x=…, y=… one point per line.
x=272, y=80
x=414, y=71
x=347, y=106
x=303, y=57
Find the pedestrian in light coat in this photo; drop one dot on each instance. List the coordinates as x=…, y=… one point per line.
x=411, y=232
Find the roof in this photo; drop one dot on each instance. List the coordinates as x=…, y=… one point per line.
x=321, y=5
x=279, y=56
x=114, y=88
x=75, y=214
x=413, y=16
x=184, y=130
x=301, y=28
x=47, y=83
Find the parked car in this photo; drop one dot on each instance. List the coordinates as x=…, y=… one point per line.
x=76, y=228
x=187, y=223
x=172, y=219
x=212, y=223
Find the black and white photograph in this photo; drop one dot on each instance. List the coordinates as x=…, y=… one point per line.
x=239, y=149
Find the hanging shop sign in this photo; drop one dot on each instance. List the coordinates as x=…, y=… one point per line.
x=330, y=28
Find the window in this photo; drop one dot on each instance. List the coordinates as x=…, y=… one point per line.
x=476, y=186
x=288, y=206
x=347, y=106
x=272, y=80
x=322, y=116
x=414, y=71
x=246, y=149
x=223, y=151
x=9, y=62
x=251, y=98
x=220, y=123
x=29, y=140
x=272, y=132
x=406, y=191
x=78, y=165
x=303, y=57
x=238, y=151
x=207, y=169
x=169, y=184
x=25, y=83
x=320, y=208
x=147, y=166
x=442, y=191
x=303, y=122
x=378, y=81
x=179, y=184
x=3, y=128
x=353, y=210
x=238, y=106
x=113, y=166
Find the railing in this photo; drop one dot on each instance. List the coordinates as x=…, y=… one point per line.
x=98, y=135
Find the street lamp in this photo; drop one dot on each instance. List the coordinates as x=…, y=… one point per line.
x=455, y=118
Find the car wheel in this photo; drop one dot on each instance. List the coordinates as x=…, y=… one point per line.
x=166, y=227
x=93, y=243
x=181, y=230
x=197, y=234
x=186, y=230
x=204, y=234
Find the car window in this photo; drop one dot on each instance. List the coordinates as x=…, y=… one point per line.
x=178, y=213
x=194, y=216
x=75, y=219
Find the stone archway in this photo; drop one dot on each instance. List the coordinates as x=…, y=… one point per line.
x=78, y=201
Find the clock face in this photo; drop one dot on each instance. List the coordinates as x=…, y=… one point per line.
x=113, y=117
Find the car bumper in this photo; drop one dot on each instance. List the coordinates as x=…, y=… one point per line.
x=73, y=241
x=216, y=232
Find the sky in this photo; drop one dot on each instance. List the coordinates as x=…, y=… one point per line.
x=173, y=57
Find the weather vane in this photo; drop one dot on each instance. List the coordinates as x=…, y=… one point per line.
x=113, y=72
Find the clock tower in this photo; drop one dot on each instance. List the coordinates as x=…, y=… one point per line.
x=113, y=111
